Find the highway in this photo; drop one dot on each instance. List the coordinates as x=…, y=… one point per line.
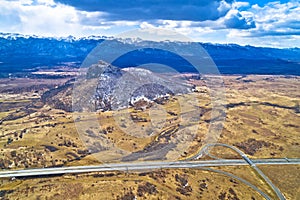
x=142, y=166
x=191, y=162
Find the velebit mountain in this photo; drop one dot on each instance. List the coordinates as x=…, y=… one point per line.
x=26, y=54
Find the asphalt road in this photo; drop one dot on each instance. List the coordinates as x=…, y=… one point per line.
x=205, y=151
x=142, y=166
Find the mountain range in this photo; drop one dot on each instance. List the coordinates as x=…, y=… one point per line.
x=21, y=54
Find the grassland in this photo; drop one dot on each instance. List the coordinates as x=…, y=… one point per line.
x=262, y=119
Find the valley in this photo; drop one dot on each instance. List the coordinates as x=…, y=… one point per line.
x=262, y=120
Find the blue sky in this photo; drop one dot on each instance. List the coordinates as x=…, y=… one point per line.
x=259, y=23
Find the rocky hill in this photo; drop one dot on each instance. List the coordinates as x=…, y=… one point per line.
x=113, y=88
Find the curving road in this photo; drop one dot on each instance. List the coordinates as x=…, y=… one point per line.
x=204, y=151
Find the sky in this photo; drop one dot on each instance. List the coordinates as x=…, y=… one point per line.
x=246, y=22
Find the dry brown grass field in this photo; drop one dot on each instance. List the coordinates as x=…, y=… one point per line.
x=262, y=120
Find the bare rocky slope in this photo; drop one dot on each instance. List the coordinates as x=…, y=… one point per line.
x=113, y=88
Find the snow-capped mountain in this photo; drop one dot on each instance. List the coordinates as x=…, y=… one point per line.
x=19, y=53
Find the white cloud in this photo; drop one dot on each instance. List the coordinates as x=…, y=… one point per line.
x=275, y=19
x=238, y=4
x=275, y=23
x=43, y=17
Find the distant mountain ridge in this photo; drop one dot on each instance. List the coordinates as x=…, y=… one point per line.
x=21, y=53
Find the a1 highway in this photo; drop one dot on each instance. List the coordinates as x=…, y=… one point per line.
x=142, y=166
x=191, y=162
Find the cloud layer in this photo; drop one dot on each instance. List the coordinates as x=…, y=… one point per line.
x=260, y=23
x=138, y=10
